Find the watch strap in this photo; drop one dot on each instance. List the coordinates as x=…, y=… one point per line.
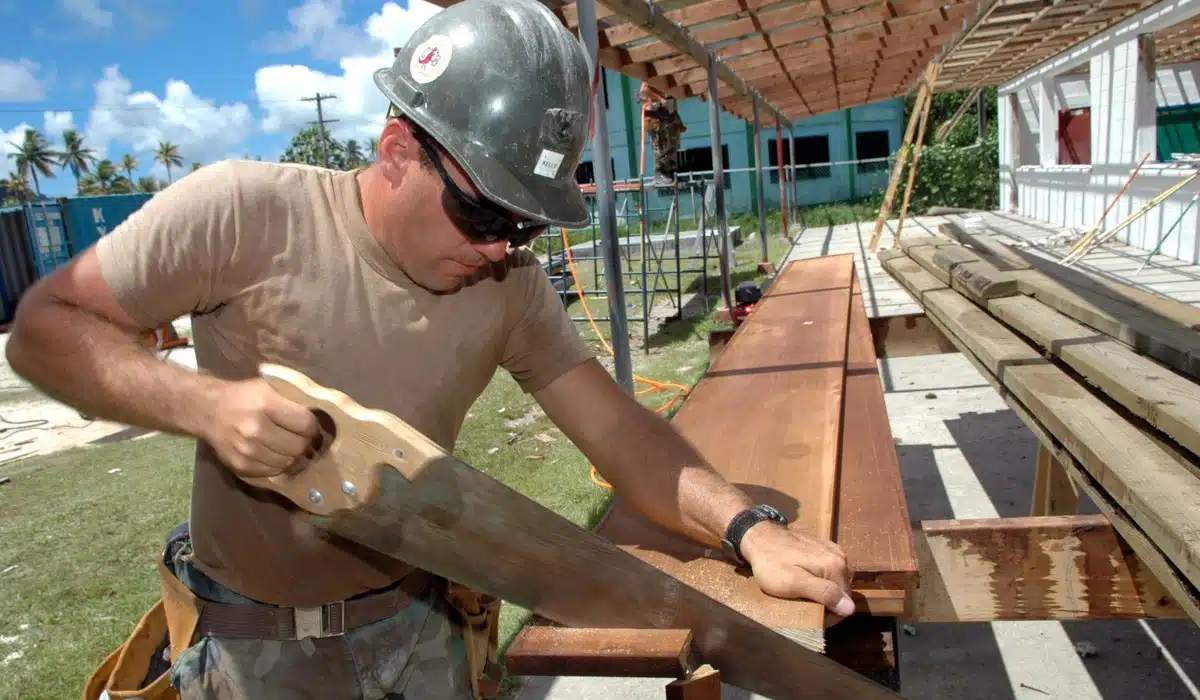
x=742, y=522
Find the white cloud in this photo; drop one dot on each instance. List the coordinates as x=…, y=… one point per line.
x=56, y=123
x=317, y=25
x=88, y=12
x=359, y=106
x=14, y=135
x=137, y=121
x=19, y=81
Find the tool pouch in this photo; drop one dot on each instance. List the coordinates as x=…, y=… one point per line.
x=480, y=617
x=140, y=669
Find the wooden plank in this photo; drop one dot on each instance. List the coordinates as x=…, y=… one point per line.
x=1151, y=555
x=1163, y=398
x=1005, y=257
x=1150, y=482
x=787, y=362
x=873, y=526
x=545, y=650
x=1053, y=491
x=1039, y=568
x=1176, y=347
x=1165, y=329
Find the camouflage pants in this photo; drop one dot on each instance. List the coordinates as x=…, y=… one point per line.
x=665, y=141
x=417, y=653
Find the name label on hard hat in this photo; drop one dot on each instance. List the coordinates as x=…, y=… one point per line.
x=431, y=58
x=548, y=163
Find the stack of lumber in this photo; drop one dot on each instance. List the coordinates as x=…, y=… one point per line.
x=1105, y=375
x=792, y=411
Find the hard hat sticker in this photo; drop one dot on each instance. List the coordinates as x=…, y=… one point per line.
x=548, y=163
x=431, y=58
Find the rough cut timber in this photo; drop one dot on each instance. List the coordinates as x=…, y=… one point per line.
x=1046, y=568
x=1155, y=484
x=1162, y=328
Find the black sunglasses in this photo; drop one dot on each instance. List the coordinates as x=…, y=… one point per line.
x=478, y=219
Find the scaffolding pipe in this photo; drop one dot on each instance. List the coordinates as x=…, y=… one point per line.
x=758, y=174
x=792, y=195
x=714, y=123
x=783, y=201
x=605, y=204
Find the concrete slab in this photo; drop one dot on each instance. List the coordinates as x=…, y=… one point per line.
x=883, y=295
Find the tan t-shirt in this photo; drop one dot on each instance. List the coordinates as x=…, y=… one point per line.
x=275, y=264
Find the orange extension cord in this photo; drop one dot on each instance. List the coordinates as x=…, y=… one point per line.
x=654, y=386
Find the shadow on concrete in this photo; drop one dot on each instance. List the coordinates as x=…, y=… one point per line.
x=1002, y=452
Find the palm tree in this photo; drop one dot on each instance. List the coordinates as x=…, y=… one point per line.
x=129, y=164
x=75, y=157
x=196, y=166
x=373, y=147
x=167, y=153
x=34, y=156
x=147, y=184
x=16, y=188
x=354, y=156
x=106, y=173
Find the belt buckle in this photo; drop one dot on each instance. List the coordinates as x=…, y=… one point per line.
x=327, y=620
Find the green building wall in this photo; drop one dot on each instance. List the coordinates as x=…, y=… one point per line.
x=868, y=131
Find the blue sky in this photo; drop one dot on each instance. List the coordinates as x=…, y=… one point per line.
x=219, y=78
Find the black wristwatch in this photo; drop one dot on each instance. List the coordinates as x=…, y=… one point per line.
x=732, y=542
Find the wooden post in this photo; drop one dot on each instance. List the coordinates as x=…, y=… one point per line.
x=1053, y=491
x=902, y=155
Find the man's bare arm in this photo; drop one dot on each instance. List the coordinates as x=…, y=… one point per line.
x=653, y=467
x=72, y=340
x=642, y=455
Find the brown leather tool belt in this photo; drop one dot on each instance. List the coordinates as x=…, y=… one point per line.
x=328, y=620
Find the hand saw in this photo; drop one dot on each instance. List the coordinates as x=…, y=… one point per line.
x=381, y=483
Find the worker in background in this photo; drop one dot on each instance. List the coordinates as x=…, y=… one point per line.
x=406, y=285
x=662, y=122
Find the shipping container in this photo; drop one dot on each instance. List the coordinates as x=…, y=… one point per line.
x=17, y=269
x=47, y=235
x=89, y=218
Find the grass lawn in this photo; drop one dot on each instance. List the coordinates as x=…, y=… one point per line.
x=79, y=530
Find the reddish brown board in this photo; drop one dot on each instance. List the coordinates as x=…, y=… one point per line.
x=872, y=519
x=767, y=416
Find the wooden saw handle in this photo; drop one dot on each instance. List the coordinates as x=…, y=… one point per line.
x=356, y=443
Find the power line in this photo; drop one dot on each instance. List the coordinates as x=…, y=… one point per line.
x=321, y=120
x=144, y=108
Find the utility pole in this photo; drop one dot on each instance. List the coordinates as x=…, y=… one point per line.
x=322, y=120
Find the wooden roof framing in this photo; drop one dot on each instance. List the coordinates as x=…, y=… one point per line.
x=803, y=57
x=1179, y=43
x=1012, y=36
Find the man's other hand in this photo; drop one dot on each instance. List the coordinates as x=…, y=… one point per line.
x=790, y=564
x=257, y=432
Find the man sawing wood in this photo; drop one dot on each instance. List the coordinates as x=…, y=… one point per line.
x=405, y=285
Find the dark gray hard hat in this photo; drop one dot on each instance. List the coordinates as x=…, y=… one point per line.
x=504, y=87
